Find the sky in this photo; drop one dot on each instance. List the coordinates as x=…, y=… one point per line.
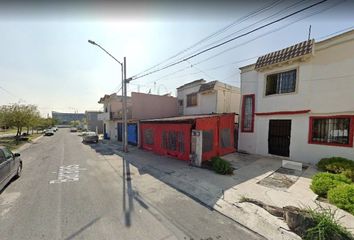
x=46, y=60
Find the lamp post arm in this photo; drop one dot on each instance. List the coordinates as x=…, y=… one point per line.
x=109, y=54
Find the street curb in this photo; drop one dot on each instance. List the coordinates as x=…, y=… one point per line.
x=28, y=145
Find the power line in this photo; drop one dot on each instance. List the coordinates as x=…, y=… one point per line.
x=218, y=32
x=246, y=59
x=230, y=40
x=267, y=33
x=253, y=24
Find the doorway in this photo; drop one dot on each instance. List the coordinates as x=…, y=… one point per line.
x=279, y=137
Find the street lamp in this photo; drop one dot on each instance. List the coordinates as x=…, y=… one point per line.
x=124, y=93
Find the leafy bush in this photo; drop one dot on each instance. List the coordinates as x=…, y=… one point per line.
x=337, y=165
x=343, y=197
x=326, y=227
x=221, y=166
x=323, y=182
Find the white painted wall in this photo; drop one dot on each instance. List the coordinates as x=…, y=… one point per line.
x=325, y=85
x=223, y=99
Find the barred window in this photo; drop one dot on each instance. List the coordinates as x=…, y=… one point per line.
x=192, y=99
x=173, y=140
x=284, y=82
x=208, y=138
x=329, y=130
x=148, y=136
x=225, y=137
x=248, y=113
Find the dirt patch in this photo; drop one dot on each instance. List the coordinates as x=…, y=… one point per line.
x=282, y=178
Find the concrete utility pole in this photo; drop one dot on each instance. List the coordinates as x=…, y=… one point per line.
x=124, y=90
x=124, y=93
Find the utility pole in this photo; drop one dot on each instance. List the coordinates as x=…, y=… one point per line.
x=309, y=33
x=125, y=125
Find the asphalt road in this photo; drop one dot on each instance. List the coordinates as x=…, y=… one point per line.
x=67, y=192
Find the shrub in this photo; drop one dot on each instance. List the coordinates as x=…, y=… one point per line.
x=326, y=227
x=337, y=165
x=343, y=197
x=323, y=182
x=221, y=166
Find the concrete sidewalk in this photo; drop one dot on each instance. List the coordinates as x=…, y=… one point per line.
x=223, y=193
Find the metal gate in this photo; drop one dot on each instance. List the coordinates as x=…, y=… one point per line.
x=120, y=131
x=279, y=137
x=133, y=134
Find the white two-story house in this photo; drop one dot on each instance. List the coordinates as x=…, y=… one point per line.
x=298, y=102
x=201, y=97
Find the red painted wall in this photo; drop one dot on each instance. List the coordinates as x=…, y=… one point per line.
x=209, y=124
x=213, y=124
x=227, y=121
x=158, y=146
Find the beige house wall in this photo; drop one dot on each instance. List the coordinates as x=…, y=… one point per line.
x=145, y=106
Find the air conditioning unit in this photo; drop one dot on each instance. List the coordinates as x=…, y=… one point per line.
x=197, y=147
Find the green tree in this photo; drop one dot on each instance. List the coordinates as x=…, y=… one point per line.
x=19, y=116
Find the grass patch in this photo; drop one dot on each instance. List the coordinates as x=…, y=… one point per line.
x=326, y=227
x=12, y=144
x=8, y=131
x=221, y=166
x=337, y=165
x=343, y=197
x=323, y=182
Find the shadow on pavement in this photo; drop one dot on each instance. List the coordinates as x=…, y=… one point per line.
x=83, y=228
x=127, y=193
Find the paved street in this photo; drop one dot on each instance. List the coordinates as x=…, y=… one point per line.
x=68, y=191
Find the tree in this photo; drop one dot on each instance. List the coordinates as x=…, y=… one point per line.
x=19, y=116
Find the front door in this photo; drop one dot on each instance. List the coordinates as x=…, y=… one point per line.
x=120, y=131
x=279, y=137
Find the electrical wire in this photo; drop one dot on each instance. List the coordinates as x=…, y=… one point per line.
x=230, y=40
x=218, y=32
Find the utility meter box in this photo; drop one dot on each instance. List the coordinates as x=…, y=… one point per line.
x=197, y=148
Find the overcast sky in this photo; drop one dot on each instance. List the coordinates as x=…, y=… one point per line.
x=45, y=58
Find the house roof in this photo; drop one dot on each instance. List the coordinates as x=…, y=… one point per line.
x=184, y=118
x=192, y=83
x=207, y=86
x=113, y=95
x=294, y=51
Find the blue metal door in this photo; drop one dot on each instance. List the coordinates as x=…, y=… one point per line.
x=133, y=133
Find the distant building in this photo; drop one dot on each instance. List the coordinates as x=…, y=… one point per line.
x=139, y=106
x=66, y=118
x=93, y=123
x=201, y=97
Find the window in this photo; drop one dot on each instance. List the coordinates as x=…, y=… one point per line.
x=208, y=139
x=225, y=137
x=284, y=82
x=247, y=121
x=173, y=140
x=7, y=153
x=335, y=130
x=192, y=99
x=2, y=157
x=148, y=136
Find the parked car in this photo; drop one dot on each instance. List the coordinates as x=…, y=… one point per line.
x=10, y=166
x=49, y=132
x=54, y=129
x=73, y=129
x=90, y=137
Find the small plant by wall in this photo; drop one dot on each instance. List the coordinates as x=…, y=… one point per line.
x=221, y=166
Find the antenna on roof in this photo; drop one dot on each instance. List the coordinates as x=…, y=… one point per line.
x=309, y=33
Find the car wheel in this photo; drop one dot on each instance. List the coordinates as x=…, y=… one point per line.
x=19, y=171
